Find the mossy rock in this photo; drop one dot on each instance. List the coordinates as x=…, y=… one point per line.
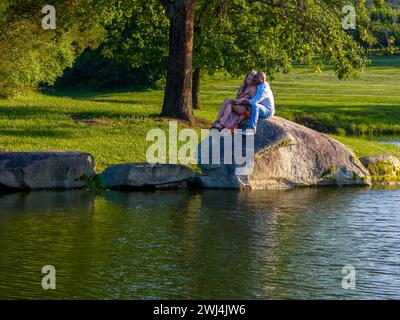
x=383, y=168
x=329, y=173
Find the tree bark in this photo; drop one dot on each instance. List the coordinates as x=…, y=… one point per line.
x=196, y=88
x=178, y=90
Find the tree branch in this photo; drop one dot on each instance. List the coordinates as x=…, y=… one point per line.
x=278, y=4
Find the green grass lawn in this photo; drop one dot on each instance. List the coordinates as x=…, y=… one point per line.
x=38, y=121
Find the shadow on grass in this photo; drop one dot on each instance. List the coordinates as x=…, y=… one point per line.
x=20, y=112
x=35, y=133
x=90, y=94
x=39, y=113
x=147, y=103
x=385, y=61
x=355, y=120
x=116, y=101
x=382, y=112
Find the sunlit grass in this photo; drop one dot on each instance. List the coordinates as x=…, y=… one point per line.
x=365, y=146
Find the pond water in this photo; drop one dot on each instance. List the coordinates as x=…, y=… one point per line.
x=393, y=141
x=201, y=245
x=387, y=139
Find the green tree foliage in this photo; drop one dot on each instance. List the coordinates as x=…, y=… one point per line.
x=138, y=35
x=385, y=26
x=237, y=36
x=31, y=55
x=133, y=52
x=93, y=71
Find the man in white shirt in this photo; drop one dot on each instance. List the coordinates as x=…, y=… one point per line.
x=263, y=103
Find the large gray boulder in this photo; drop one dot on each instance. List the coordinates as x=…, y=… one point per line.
x=288, y=155
x=145, y=176
x=383, y=168
x=45, y=170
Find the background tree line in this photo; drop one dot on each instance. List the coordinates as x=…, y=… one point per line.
x=385, y=19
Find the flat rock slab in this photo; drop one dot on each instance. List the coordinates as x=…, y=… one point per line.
x=288, y=155
x=45, y=170
x=145, y=176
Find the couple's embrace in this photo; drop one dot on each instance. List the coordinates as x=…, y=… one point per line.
x=254, y=99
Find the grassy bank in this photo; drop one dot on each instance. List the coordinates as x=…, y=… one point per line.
x=64, y=121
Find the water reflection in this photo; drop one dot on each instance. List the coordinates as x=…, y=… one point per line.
x=213, y=244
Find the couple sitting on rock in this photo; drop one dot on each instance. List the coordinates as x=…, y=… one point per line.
x=254, y=99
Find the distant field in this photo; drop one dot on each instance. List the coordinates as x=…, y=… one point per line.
x=56, y=121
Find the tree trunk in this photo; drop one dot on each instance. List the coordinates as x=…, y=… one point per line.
x=178, y=90
x=196, y=88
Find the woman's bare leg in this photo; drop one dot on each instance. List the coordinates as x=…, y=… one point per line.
x=239, y=109
x=228, y=111
x=226, y=114
x=223, y=108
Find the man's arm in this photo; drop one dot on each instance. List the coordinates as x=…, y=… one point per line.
x=259, y=95
x=246, y=101
x=253, y=102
